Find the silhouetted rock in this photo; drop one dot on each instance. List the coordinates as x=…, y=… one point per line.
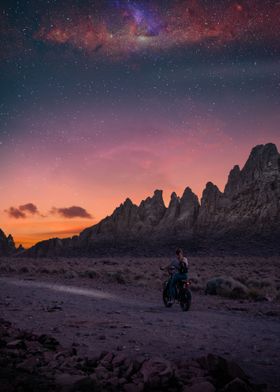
x=152, y=210
x=189, y=210
x=209, y=213
x=171, y=214
x=20, y=248
x=47, y=248
x=7, y=244
x=226, y=286
x=249, y=208
x=245, y=217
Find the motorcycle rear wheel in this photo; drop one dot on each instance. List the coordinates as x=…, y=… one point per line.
x=185, y=300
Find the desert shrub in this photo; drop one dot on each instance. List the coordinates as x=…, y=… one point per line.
x=256, y=294
x=70, y=274
x=259, y=284
x=7, y=268
x=139, y=277
x=23, y=270
x=116, y=277
x=44, y=271
x=92, y=274
x=241, y=279
x=108, y=262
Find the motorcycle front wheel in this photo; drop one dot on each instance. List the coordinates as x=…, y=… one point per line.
x=165, y=297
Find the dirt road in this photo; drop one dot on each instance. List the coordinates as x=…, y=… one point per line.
x=135, y=322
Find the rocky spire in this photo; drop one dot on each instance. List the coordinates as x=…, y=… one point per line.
x=152, y=209
x=210, y=203
x=264, y=161
x=171, y=213
x=234, y=180
x=189, y=208
x=7, y=244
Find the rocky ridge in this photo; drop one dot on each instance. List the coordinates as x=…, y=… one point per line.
x=7, y=244
x=245, y=216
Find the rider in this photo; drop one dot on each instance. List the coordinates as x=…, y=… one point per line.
x=180, y=273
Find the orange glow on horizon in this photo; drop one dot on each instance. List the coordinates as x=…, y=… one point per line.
x=99, y=180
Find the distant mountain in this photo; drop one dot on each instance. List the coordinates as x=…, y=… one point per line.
x=246, y=216
x=7, y=245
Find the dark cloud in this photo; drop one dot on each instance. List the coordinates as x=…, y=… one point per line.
x=29, y=208
x=22, y=211
x=71, y=212
x=16, y=213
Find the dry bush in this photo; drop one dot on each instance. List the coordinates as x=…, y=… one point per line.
x=92, y=274
x=138, y=277
x=256, y=294
x=24, y=270
x=259, y=284
x=44, y=270
x=117, y=277
x=70, y=274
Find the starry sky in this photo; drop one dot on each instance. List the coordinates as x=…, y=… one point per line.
x=103, y=100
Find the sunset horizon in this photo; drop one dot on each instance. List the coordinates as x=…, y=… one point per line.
x=113, y=100
x=26, y=221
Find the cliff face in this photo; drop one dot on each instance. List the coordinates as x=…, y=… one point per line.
x=7, y=245
x=249, y=208
x=250, y=204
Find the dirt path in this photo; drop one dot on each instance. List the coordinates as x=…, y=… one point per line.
x=96, y=320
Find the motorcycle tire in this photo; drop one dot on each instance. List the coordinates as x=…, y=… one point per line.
x=185, y=300
x=165, y=298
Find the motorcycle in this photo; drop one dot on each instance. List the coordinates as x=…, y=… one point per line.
x=183, y=293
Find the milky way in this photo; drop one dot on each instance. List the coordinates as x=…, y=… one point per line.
x=131, y=27
x=104, y=100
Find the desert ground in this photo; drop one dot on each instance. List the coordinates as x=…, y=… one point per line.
x=114, y=304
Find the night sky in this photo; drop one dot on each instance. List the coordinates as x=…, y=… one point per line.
x=103, y=100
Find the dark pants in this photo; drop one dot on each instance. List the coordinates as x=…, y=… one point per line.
x=173, y=281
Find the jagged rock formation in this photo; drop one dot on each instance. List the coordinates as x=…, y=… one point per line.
x=250, y=204
x=20, y=248
x=7, y=245
x=246, y=213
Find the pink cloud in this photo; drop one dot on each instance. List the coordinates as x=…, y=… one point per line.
x=71, y=212
x=16, y=213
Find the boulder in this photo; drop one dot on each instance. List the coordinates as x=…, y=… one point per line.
x=227, y=287
x=156, y=368
x=237, y=385
x=204, y=386
x=222, y=370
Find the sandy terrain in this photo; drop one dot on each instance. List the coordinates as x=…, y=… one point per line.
x=115, y=304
